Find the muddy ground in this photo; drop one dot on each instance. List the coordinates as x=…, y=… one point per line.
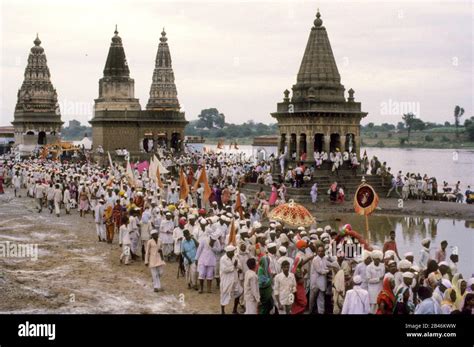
x=76, y=274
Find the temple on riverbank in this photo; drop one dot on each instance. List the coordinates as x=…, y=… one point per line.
x=317, y=117
x=37, y=118
x=119, y=121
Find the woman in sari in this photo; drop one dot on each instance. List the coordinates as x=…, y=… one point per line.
x=273, y=195
x=460, y=286
x=386, y=298
x=265, y=286
x=403, y=305
x=448, y=303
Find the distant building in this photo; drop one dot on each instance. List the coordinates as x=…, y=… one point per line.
x=37, y=118
x=119, y=121
x=7, y=138
x=317, y=116
x=264, y=146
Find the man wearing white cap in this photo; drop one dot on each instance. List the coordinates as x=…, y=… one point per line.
x=166, y=235
x=99, y=220
x=229, y=282
x=424, y=254
x=408, y=278
x=361, y=269
x=206, y=260
x=357, y=299
x=154, y=259
x=375, y=274
x=282, y=251
x=403, y=266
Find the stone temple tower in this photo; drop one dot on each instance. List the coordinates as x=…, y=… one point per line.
x=116, y=88
x=318, y=117
x=37, y=118
x=118, y=120
x=163, y=93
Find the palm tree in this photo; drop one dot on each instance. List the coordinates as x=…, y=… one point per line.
x=408, y=119
x=458, y=112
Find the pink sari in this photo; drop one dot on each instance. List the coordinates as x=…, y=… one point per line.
x=273, y=196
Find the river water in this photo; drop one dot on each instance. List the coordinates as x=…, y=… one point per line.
x=410, y=231
x=444, y=164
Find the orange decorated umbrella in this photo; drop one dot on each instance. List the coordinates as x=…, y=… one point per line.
x=293, y=214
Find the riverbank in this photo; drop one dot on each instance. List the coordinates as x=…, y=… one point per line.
x=75, y=273
x=392, y=206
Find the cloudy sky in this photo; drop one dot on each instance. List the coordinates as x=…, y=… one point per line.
x=239, y=56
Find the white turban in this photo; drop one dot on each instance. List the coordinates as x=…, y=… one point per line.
x=229, y=248
x=357, y=279
x=408, y=274
x=282, y=249
x=377, y=254
x=404, y=264
x=424, y=242
x=365, y=254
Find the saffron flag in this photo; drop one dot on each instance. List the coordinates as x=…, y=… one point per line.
x=183, y=184
x=238, y=205
x=233, y=234
x=203, y=180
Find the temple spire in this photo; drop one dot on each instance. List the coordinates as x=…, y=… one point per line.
x=163, y=92
x=318, y=69
x=116, y=64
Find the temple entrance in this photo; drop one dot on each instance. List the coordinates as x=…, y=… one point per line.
x=350, y=143
x=318, y=142
x=302, y=150
x=41, y=138
x=335, y=143
x=148, y=144
x=282, y=143
x=30, y=133
x=162, y=140
x=175, y=141
x=293, y=146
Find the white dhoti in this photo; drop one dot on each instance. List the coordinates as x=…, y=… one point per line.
x=191, y=273
x=57, y=210
x=251, y=307
x=125, y=256
x=156, y=273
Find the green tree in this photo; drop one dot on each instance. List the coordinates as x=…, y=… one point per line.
x=408, y=119
x=469, y=125
x=401, y=126
x=418, y=124
x=458, y=112
x=211, y=118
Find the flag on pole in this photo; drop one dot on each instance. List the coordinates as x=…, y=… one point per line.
x=183, y=184
x=152, y=169
x=203, y=180
x=158, y=177
x=233, y=234
x=130, y=175
x=238, y=205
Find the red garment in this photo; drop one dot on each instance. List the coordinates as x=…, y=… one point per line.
x=390, y=246
x=387, y=296
x=299, y=305
x=117, y=215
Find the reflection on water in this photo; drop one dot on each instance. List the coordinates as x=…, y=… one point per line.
x=410, y=231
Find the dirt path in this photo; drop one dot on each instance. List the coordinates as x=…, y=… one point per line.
x=76, y=274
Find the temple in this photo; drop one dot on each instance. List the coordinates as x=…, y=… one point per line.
x=119, y=121
x=37, y=118
x=317, y=117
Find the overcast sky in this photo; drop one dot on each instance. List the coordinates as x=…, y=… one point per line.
x=239, y=56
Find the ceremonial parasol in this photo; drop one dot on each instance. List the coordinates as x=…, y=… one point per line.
x=292, y=214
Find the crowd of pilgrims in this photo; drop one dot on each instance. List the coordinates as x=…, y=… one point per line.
x=258, y=265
